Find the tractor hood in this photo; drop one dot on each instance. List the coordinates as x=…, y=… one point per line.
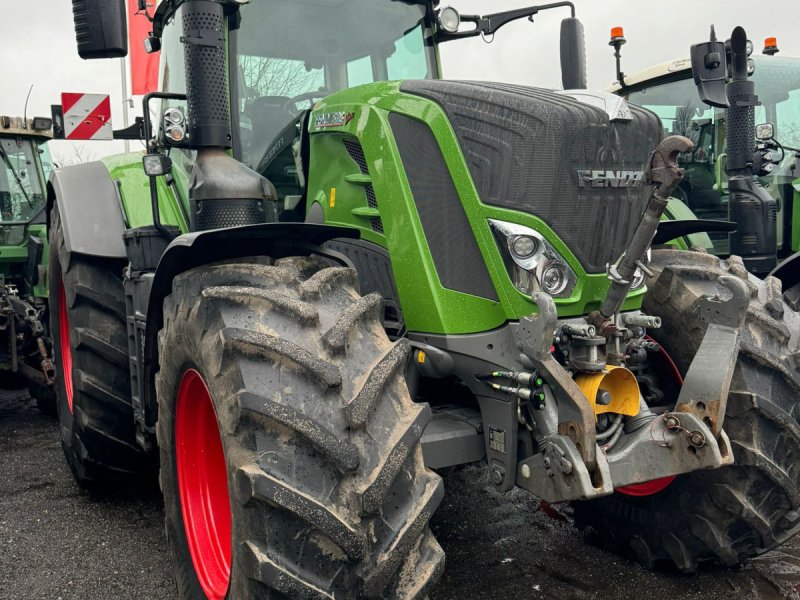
x=574, y=159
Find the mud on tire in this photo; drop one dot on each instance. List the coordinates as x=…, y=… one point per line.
x=328, y=492
x=96, y=423
x=730, y=514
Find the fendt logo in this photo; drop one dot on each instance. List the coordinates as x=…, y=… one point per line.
x=599, y=178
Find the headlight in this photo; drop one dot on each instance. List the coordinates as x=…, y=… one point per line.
x=449, y=19
x=532, y=263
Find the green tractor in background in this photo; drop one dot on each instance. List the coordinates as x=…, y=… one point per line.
x=25, y=165
x=669, y=90
x=333, y=272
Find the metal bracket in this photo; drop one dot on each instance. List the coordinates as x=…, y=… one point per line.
x=558, y=474
x=671, y=444
x=705, y=388
x=576, y=417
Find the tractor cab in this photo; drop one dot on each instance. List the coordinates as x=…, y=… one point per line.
x=24, y=167
x=288, y=54
x=278, y=76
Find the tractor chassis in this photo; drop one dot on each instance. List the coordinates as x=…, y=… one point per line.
x=561, y=459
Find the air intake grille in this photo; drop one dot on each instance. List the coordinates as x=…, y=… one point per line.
x=355, y=151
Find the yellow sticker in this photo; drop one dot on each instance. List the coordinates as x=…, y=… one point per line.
x=333, y=197
x=421, y=357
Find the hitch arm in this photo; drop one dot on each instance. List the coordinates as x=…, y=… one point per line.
x=664, y=174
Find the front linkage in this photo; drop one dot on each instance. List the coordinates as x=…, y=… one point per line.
x=575, y=461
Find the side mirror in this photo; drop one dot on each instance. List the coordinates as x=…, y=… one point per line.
x=709, y=68
x=101, y=28
x=573, y=55
x=765, y=131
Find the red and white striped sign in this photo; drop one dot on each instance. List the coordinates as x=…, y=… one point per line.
x=87, y=116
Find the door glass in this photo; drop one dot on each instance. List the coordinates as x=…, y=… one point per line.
x=359, y=71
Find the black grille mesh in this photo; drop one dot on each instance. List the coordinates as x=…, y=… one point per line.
x=356, y=152
x=372, y=201
x=455, y=252
x=222, y=214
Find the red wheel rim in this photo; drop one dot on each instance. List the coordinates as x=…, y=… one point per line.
x=63, y=338
x=203, y=485
x=648, y=488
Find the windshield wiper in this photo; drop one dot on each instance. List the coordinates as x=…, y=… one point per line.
x=19, y=181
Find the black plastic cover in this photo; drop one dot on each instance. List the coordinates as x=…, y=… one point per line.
x=456, y=255
x=709, y=71
x=100, y=28
x=526, y=149
x=573, y=55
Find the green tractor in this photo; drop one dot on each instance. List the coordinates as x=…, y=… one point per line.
x=25, y=165
x=669, y=91
x=334, y=272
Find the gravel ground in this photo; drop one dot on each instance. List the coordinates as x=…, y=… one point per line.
x=57, y=541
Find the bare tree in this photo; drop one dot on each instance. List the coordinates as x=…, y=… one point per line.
x=80, y=154
x=265, y=76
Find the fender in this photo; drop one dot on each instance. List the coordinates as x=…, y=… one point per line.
x=191, y=250
x=788, y=272
x=82, y=190
x=670, y=230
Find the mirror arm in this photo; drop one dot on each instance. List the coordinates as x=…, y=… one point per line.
x=133, y=132
x=489, y=24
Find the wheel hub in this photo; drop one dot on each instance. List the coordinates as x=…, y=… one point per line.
x=66, y=349
x=203, y=485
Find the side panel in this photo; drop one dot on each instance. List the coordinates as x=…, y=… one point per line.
x=134, y=188
x=455, y=252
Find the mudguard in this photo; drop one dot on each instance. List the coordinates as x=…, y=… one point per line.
x=90, y=209
x=788, y=272
x=191, y=250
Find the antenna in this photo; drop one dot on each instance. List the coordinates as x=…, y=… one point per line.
x=25, y=110
x=713, y=34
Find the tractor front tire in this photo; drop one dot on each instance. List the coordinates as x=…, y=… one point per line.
x=730, y=514
x=290, y=455
x=90, y=346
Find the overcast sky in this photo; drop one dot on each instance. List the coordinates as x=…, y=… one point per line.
x=38, y=47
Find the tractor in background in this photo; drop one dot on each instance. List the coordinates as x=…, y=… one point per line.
x=25, y=350
x=334, y=272
x=773, y=156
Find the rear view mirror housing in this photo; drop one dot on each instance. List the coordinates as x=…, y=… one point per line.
x=101, y=28
x=573, y=55
x=709, y=68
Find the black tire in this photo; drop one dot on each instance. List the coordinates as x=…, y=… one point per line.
x=329, y=495
x=45, y=397
x=97, y=431
x=730, y=514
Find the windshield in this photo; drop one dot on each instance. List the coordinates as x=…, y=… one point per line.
x=21, y=194
x=291, y=52
x=778, y=88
